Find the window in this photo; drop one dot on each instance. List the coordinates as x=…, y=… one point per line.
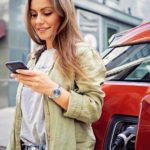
x=135, y=71
x=123, y=55
x=129, y=63
x=110, y=32
x=141, y=72
x=111, y=28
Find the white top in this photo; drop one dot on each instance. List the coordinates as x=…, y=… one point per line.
x=32, y=127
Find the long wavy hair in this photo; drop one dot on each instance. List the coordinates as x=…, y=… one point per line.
x=68, y=34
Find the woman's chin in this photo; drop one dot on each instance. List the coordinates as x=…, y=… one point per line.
x=44, y=38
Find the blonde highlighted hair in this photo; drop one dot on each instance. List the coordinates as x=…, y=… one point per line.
x=68, y=34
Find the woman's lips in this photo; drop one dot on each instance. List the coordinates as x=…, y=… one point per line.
x=42, y=30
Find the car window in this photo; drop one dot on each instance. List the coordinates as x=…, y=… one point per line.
x=141, y=72
x=123, y=55
x=138, y=70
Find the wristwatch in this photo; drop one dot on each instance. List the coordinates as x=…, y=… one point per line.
x=56, y=92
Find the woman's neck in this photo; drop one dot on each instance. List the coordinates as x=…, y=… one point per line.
x=49, y=45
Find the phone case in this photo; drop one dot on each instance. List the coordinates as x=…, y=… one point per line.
x=14, y=65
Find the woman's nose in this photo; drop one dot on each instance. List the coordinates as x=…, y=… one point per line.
x=39, y=18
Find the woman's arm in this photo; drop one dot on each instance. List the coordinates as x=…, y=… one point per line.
x=85, y=102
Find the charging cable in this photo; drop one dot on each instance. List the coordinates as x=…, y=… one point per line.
x=124, y=137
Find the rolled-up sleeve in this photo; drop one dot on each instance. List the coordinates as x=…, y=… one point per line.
x=85, y=101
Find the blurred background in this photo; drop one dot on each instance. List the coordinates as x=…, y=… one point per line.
x=98, y=20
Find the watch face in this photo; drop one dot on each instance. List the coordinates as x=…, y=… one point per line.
x=57, y=92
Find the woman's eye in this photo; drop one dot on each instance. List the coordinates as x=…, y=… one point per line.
x=33, y=15
x=48, y=14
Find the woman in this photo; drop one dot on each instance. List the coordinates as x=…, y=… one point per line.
x=59, y=97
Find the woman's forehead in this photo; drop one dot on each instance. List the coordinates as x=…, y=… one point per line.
x=40, y=4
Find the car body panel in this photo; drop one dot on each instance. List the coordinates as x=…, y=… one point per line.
x=123, y=95
x=124, y=98
x=143, y=131
x=136, y=35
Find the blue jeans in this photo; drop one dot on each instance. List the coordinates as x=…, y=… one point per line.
x=33, y=147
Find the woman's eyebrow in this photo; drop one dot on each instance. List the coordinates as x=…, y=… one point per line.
x=31, y=9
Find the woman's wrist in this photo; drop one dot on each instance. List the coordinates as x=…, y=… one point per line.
x=50, y=88
x=63, y=100
x=59, y=95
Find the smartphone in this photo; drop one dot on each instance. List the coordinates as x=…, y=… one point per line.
x=14, y=65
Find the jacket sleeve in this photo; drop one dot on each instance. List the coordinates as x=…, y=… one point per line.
x=85, y=101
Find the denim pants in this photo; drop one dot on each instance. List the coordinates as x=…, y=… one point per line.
x=34, y=147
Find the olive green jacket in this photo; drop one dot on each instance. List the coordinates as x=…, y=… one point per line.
x=71, y=129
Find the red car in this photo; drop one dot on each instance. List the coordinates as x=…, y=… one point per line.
x=125, y=120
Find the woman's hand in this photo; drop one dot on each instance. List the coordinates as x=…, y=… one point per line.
x=36, y=80
x=41, y=83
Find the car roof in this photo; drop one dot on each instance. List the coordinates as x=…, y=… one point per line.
x=135, y=35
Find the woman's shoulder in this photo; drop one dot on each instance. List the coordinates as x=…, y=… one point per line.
x=82, y=47
x=85, y=49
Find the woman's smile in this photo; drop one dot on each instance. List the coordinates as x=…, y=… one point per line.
x=44, y=20
x=43, y=29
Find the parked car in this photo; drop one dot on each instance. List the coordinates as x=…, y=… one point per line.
x=125, y=119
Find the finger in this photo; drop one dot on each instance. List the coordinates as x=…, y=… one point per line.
x=26, y=72
x=17, y=79
x=13, y=75
x=25, y=77
x=18, y=75
x=27, y=83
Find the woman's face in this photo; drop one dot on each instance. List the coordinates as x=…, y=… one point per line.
x=44, y=20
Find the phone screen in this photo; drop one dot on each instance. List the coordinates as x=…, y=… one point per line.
x=14, y=65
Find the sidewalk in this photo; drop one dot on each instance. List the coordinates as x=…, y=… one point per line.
x=6, y=120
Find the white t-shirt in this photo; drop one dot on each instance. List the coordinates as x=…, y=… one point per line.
x=32, y=127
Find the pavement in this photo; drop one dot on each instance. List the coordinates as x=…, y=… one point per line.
x=6, y=121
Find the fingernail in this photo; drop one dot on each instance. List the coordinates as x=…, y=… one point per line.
x=17, y=71
x=12, y=75
x=16, y=79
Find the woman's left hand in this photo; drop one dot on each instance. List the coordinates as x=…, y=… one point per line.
x=36, y=80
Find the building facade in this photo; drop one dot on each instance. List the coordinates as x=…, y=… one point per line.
x=15, y=45
x=98, y=20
